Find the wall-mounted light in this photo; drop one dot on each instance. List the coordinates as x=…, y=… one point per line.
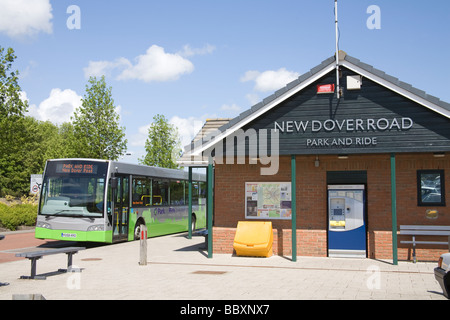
x=439, y=154
x=317, y=162
x=343, y=156
x=432, y=214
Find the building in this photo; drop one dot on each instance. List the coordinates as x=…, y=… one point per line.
x=341, y=156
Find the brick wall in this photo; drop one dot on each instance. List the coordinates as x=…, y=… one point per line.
x=229, y=202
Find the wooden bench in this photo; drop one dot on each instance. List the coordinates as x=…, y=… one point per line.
x=414, y=230
x=36, y=255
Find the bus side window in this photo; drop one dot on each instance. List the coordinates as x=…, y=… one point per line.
x=195, y=190
x=141, y=192
x=177, y=193
x=160, y=190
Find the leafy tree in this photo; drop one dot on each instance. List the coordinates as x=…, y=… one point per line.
x=163, y=144
x=12, y=126
x=49, y=142
x=11, y=106
x=96, y=124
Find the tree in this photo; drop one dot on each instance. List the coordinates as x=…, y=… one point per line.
x=13, y=133
x=11, y=106
x=163, y=145
x=96, y=124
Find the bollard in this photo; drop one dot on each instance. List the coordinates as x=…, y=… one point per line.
x=143, y=246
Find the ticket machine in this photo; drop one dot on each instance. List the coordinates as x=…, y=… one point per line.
x=346, y=222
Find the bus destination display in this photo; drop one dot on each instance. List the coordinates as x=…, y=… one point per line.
x=76, y=168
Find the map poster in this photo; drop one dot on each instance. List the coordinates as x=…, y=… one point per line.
x=268, y=200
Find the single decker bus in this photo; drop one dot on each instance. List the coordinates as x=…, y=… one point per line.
x=109, y=201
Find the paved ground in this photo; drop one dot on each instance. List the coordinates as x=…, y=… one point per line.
x=178, y=269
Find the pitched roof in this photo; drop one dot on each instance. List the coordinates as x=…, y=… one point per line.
x=210, y=127
x=328, y=65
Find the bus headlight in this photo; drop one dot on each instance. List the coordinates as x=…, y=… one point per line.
x=45, y=225
x=98, y=227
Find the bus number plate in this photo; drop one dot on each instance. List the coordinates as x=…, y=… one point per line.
x=68, y=235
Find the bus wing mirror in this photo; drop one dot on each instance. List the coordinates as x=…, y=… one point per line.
x=114, y=183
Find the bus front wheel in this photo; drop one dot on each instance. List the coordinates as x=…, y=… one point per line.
x=193, y=222
x=137, y=230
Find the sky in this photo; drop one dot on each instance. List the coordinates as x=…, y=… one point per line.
x=192, y=60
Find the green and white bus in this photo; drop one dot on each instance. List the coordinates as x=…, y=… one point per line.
x=109, y=201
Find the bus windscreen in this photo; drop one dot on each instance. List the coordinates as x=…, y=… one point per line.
x=74, y=188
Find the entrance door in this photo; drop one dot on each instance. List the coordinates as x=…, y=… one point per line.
x=346, y=225
x=121, y=209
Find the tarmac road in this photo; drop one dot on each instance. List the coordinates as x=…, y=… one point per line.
x=24, y=241
x=18, y=240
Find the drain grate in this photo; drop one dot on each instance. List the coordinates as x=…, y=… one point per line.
x=91, y=259
x=209, y=272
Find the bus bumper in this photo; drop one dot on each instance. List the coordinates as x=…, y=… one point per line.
x=73, y=235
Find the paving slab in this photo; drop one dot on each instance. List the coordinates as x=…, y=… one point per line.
x=179, y=269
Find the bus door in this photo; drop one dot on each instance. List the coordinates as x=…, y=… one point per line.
x=121, y=209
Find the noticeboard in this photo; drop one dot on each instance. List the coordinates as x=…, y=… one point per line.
x=268, y=200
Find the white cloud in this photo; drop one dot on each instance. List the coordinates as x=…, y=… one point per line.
x=233, y=108
x=157, y=65
x=270, y=80
x=138, y=139
x=57, y=108
x=253, y=98
x=20, y=18
x=250, y=75
x=187, y=129
x=188, y=51
x=100, y=68
x=154, y=65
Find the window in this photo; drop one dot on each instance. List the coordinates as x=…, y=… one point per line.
x=160, y=192
x=202, y=191
x=430, y=188
x=142, y=191
x=176, y=193
x=195, y=192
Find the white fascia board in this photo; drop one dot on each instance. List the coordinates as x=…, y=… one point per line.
x=187, y=163
x=266, y=108
x=401, y=91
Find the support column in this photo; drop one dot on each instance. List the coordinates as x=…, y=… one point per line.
x=210, y=208
x=294, y=208
x=394, y=210
x=190, y=205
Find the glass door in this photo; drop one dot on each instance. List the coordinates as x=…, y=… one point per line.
x=346, y=221
x=121, y=209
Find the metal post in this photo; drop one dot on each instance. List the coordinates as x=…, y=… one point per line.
x=143, y=246
x=190, y=205
x=210, y=208
x=294, y=209
x=33, y=267
x=394, y=210
x=338, y=94
x=69, y=261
